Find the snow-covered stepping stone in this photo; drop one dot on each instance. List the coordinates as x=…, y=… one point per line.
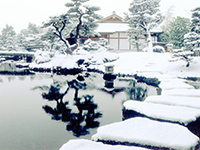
x=147, y=133
x=182, y=92
x=174, y=84
x=91, y=145
x=193, y=102
x=175, y=114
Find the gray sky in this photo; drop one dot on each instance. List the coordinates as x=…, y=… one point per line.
x=19, y=13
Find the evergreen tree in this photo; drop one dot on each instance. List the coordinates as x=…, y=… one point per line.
x=192, y=41
x=60, y=24
x=85, y=17
x=30, y=38
x=178, y=27
x=144, y=15
x=8, y=37
x=78, y=22
x=196, y=20
x=164, y=37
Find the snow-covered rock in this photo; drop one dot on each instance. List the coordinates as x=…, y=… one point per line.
x=182, y=92
x=91, y=145
x=177, y=114
x=174, y=84
x=192, y=102
x=146, y=132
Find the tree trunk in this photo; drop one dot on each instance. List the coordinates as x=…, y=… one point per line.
x=149, y=42
x=137, y=43
x=137, y=46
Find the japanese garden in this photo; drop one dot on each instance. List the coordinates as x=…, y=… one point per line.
x=85, y=81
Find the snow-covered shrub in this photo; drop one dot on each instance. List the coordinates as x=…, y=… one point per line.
x=158, y=49
x=103, y=42
x=43, y=56
x=90, y=45
x=192, y=41
x=181, y=54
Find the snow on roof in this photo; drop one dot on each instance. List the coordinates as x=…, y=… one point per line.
x=112, y=27
x=147, y=132
x=118, y=27
x=183, y=115
x=182, y=92
x=91, y=145
x=193, y=102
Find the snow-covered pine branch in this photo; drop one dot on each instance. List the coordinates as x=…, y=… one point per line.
x=79, y=21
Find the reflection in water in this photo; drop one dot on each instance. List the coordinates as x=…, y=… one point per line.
x=136, y=92
x=18, y=105
x=85, y=118
x=79, y=122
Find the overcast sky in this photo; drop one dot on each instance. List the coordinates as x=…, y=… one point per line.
x=18, y=13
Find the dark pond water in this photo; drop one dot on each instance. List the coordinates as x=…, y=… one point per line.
x=30, y=122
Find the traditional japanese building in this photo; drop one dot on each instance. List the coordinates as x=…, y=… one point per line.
x=115, y=29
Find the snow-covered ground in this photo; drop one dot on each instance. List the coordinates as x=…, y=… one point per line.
x=128, y=62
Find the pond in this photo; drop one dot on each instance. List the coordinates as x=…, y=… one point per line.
x=31, y=119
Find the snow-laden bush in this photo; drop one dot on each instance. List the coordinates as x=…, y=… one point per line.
x=90, y=45
x=192, y=41
x=158, y=49
x=43, y=56
x=103, y=42
x=181, y=54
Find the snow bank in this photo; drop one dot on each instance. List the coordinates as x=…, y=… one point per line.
x=58, y=61
x=182, y=115
x=140, y=62
x=193, y=102
x=96, y=59
x=182, y=92
x=90, y=145
x=147, y=132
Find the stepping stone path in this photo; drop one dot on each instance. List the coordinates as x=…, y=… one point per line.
x=169, y=121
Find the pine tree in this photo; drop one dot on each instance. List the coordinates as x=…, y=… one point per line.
x=8, y=38
x=30, y=38
x=192, y=41
x=164, y=37
x=178, y=27
x=85, y=17
x=144, y=15
x=78, y=22
x=60, y=24
x=196, y=20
